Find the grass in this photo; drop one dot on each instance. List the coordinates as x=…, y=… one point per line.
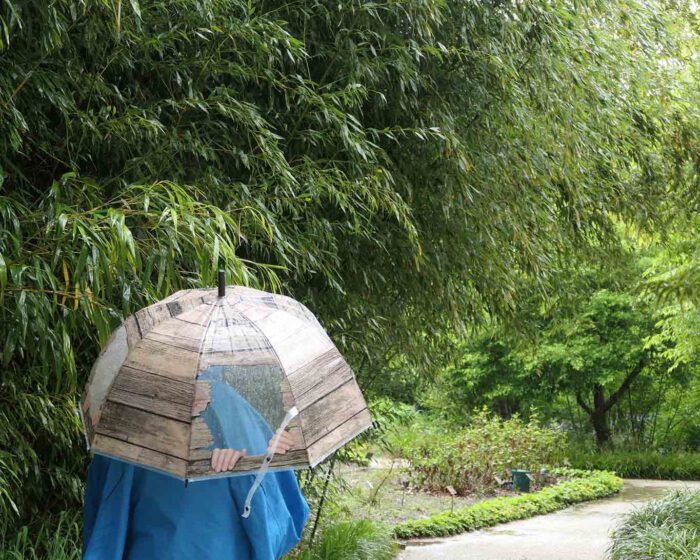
x=51, y=538
x=353, y=540
x=665, y=529
x=582, y=486
x=642, y=464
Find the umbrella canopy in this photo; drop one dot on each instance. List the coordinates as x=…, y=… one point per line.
x=239, y=369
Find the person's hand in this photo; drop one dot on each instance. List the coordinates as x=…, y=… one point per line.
x=225, y=459
x=286, y=441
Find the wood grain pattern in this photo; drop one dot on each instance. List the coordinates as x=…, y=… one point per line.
x=162, y=408
x=153, y=393
x=202, y=397
x=319, y=377
x=151, y=417
x=200, y=436
x=144, y=429
x=155, y=386
x=143, y=321
x=296, y=350
x=180, y=294
x=141, y=455
x=250, y=464
x=133, y=334
x=288, y=400
x=193, y=345
x=163, y=359
x=335, y=439
x=180, y=329
x=201, y=439
x=190, y=300
x=199, y=315
x=295, y=341
x=159, y=313
x=253, y=312
x=294, y=429
x=327, y=413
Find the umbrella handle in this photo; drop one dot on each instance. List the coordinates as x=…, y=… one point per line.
x=267, y=460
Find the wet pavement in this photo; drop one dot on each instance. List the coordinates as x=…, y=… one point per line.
x=576, y=533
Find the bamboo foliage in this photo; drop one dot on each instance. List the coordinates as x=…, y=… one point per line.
x=397, y=166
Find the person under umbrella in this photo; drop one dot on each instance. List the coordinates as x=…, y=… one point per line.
x=179, y=410
x=135, y=513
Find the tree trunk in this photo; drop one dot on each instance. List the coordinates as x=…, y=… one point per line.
x=598, y=413
x=599, y=418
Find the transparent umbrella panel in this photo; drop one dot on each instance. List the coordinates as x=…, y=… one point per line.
x=242, y=396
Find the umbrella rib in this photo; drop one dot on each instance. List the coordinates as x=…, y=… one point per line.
x=226, y=308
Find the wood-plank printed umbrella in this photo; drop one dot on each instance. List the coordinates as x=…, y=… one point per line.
x=207, y=369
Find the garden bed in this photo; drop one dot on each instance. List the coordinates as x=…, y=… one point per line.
x=383, y=492
x=578, y=486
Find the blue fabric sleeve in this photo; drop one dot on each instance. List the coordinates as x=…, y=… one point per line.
x=133, y=513
x=279, y=510
x=106, y=512
x=279, y=513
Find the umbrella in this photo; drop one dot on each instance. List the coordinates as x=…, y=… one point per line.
x=206, y=376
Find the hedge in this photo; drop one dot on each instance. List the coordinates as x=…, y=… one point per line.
x=638, y=464
x=581, y=486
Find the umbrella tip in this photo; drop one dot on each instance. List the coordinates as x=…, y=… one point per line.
x=222, y=283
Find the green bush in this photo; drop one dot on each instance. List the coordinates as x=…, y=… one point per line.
x=49, y=538
x=585, y=486
x=667, y=529
x=470, y=459
x=353, y=540
x=390, y=418
x=642, y=464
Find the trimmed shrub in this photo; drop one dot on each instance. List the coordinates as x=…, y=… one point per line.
x=638, y=464
x=584, y=487
x=667, y=529
x=470, y=459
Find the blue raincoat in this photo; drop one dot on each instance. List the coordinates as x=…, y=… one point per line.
x=133, y=513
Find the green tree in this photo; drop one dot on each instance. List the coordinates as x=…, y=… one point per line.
x=598, y=354
x=604, y=343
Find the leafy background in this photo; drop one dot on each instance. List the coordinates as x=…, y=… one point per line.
x=407, y=169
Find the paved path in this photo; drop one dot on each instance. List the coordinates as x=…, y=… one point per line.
x=576, y=533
